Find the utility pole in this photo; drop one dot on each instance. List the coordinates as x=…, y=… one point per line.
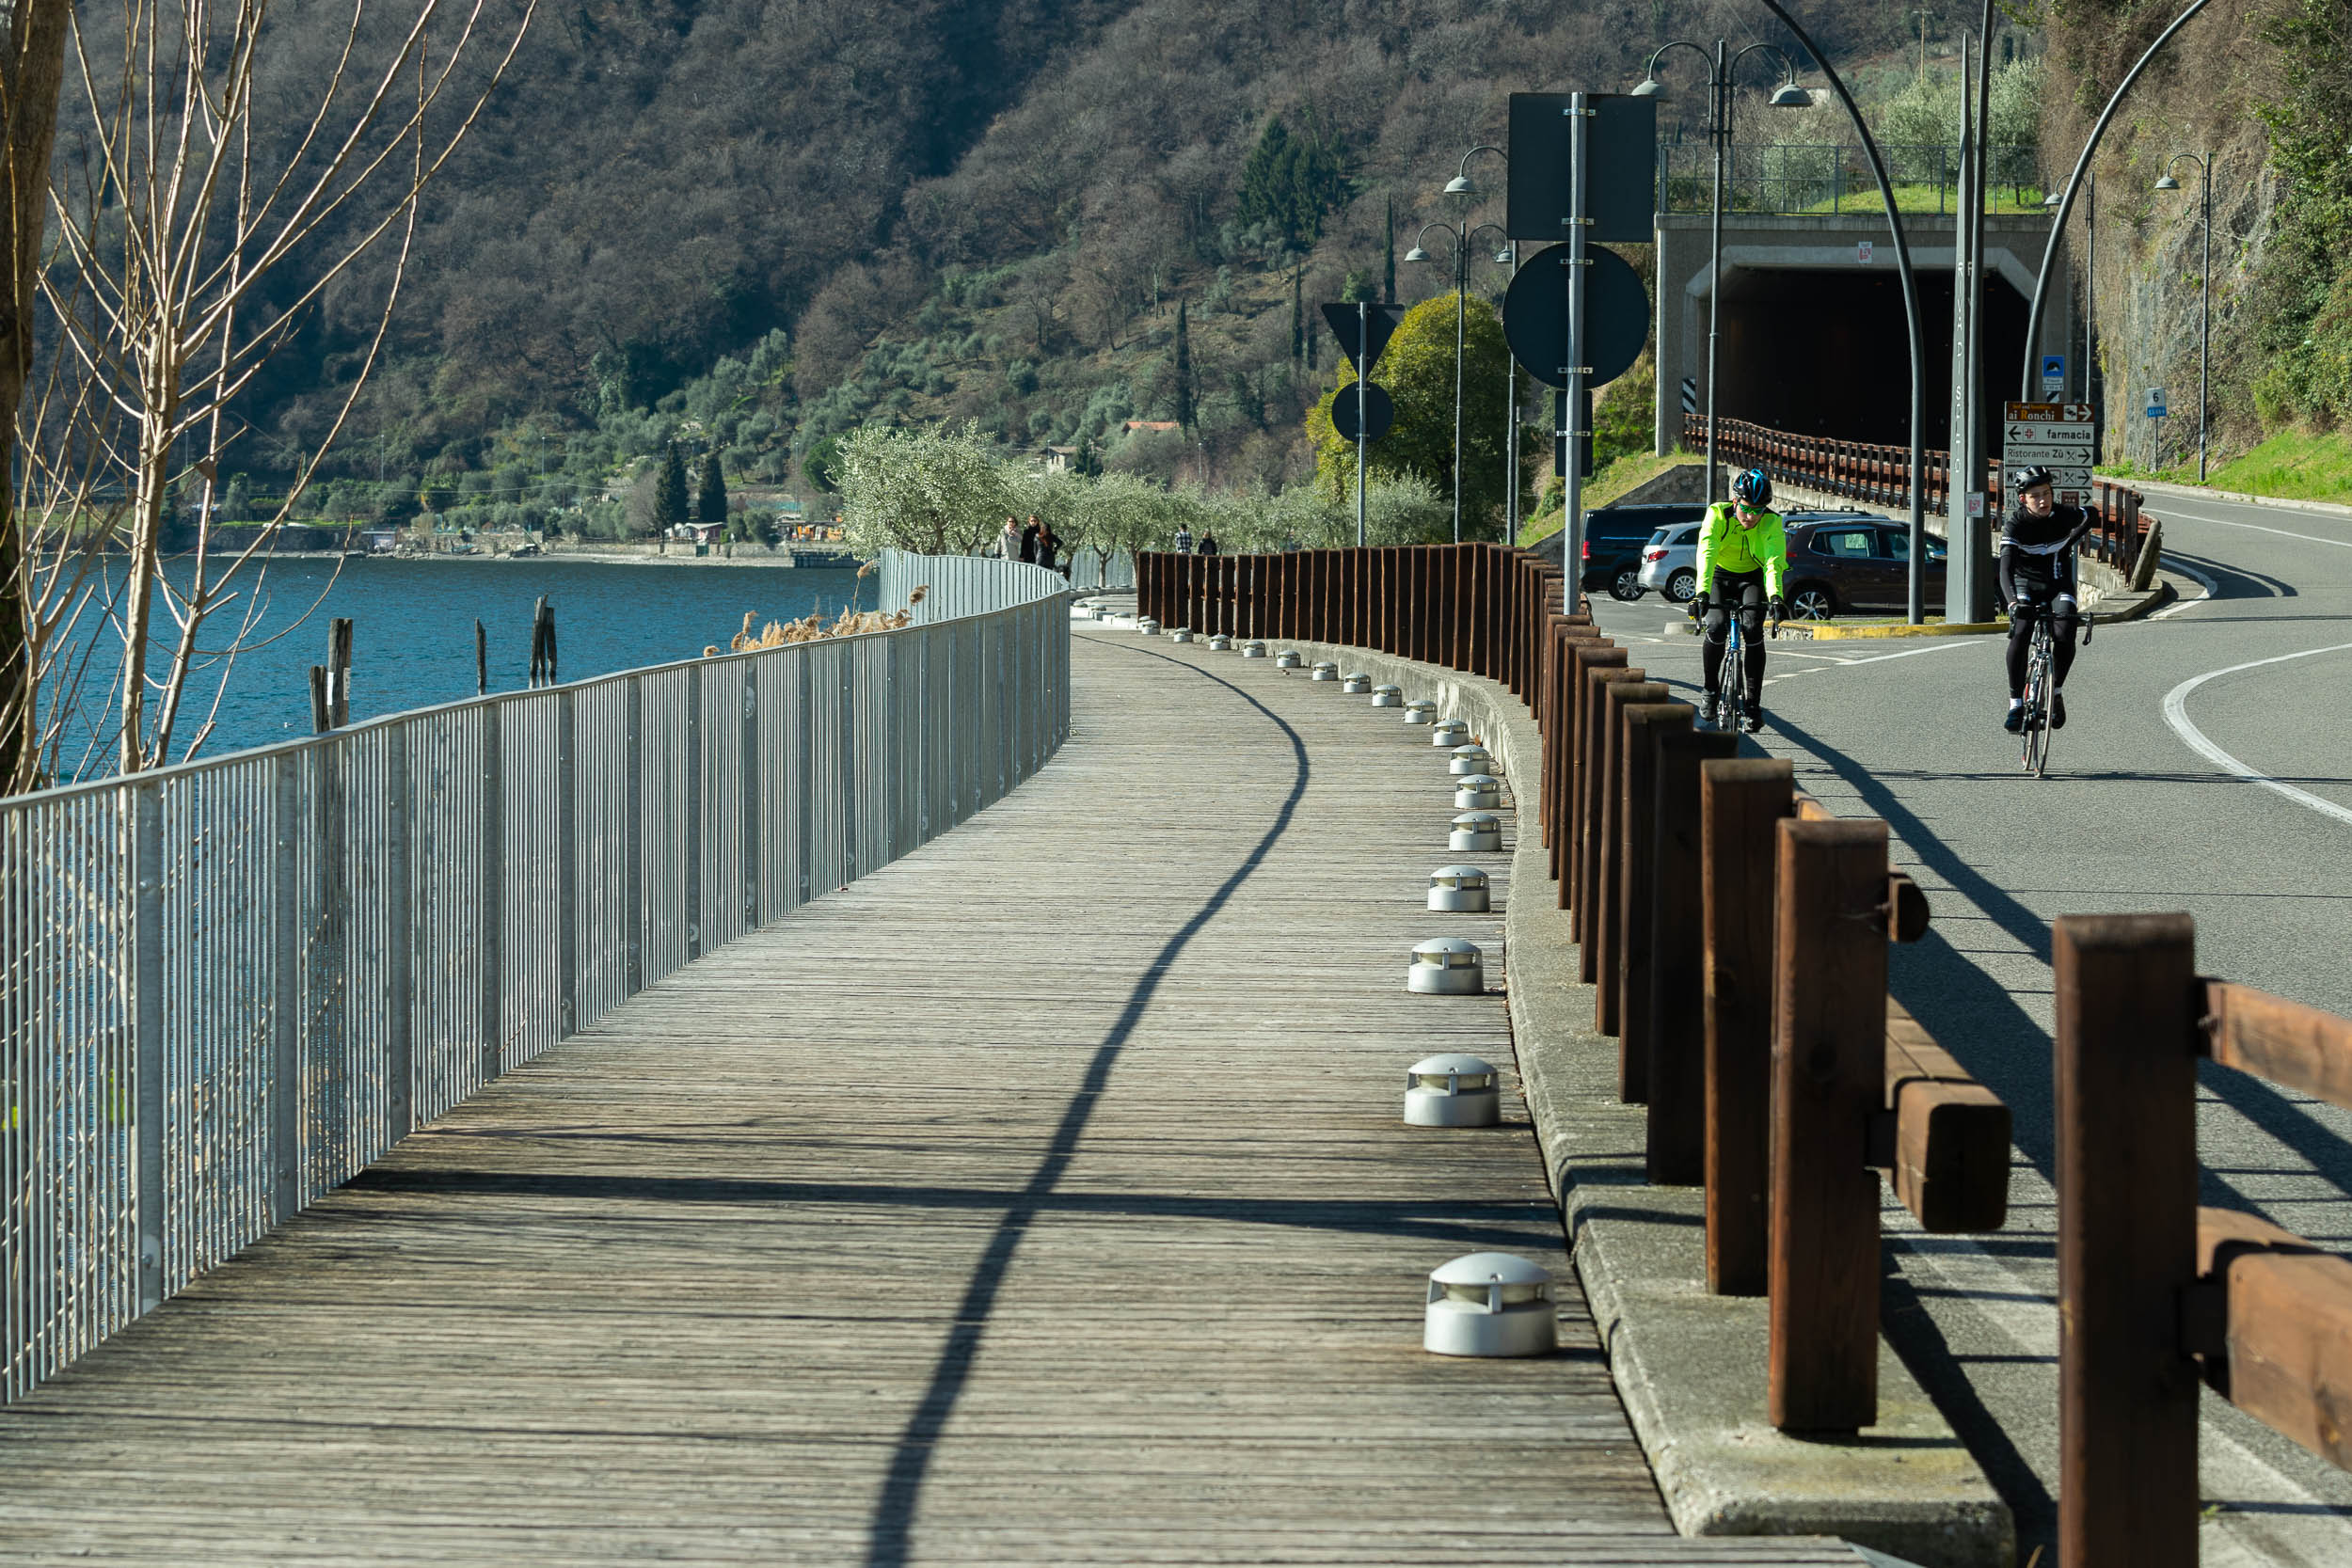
x=1573, y=412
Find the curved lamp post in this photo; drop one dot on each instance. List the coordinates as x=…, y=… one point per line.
x=2204, y=291
x=1720, y=67
x=1459, y=235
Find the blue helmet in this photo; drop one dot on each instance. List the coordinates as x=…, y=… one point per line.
x=1753, y=488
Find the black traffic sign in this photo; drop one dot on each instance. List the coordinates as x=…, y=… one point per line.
x=1381, y=318
x=1536, y=316
x=1379, y=412
x=1620, y=167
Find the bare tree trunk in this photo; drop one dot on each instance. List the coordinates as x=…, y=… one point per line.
x=29, y=78
x=156, y=432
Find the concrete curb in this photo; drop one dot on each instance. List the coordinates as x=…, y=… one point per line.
x=2199, y=492
x=1690, y=1367
x=1830, y=633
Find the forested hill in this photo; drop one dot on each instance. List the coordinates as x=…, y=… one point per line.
x=948, y=208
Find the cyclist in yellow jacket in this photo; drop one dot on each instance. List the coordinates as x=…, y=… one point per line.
x=1744, y=564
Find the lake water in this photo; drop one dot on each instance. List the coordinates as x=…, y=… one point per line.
x=412, y=634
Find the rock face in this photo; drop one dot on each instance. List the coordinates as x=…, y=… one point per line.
x=2146, y=259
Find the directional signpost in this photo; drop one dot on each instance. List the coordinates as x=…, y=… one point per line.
x=2059, y=437
x=1362, y=413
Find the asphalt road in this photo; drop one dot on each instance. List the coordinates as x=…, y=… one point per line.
x=2148, y=808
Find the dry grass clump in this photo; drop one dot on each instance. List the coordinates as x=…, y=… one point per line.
x=813, y=628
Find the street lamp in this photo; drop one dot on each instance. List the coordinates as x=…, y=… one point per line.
x=1721, y=67
x=1461, y=184
x=1460, y=235
x=2204, y=291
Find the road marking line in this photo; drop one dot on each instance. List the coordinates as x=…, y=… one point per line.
x=2176, y=715
x=2212, y=592
x=2284, y=533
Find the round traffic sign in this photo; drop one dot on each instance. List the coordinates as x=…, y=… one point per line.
x=1379, y=412
x=1536, y=315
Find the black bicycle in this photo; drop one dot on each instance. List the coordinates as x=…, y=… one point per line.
x=1731, y=678
x=2041, y=690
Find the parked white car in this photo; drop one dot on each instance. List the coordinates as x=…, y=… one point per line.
x=1670, y=562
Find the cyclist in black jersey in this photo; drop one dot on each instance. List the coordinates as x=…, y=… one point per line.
x=2038, y=540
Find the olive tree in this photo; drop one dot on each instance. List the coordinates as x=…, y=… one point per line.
x=943, y=491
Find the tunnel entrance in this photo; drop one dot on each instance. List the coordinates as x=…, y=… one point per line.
x=1826, y=353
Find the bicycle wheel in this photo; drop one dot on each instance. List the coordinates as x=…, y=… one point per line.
x=1729, y=684
x=2035, y=750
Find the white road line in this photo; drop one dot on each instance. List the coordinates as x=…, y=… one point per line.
x=2212, y=591
x=2284, y=533
x=2176, y=715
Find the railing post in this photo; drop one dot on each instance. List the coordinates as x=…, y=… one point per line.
x=693, y=806
x=1739, y=800
x=1829, y=1080
x=756, y=818
x=399, y=936
x=805, y=764
x=633, y=852
x=567, y=866
x=1676, y=1020
x=1646, y=727
x=2127, y=1181
x=493, y=891
x=1584, y=828
x=147, y=1023
x=1609, y=855
x=285, y=1025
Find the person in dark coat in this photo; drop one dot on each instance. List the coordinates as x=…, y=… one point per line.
x=1028, y=543
x=1047, y=545
x=1208, y=542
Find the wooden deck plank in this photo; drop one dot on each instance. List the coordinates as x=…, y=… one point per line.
x=1040, y=1197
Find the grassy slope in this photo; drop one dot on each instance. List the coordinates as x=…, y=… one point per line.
x=2296, y=466
x=1634, y=468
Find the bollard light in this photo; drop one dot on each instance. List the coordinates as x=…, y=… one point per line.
x=1479, y=832
x=1324, y=671
x=1288, y=659
x=1470, y=759
x=1355, y=683
x=1450, y=732
x=1219, y=642
x=1453, y=1090
x=1389, y=696
x=1420, y=710
x=1490, y=1304
x=1461, y=889
x=1471, y=790
x=1447, y=966
x=1181, y=634
x=1148, y=626
x=1253, y=649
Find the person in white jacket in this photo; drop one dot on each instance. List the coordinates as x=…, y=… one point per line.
x=1009, y=545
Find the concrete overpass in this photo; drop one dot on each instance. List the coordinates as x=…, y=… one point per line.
x=1813, y=335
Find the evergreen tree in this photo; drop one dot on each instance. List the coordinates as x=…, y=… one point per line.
x=710, y=504
x=669, y=499
x=1387, y=251
x=1265, y=179
x=1184, y=372
x=1298, y=317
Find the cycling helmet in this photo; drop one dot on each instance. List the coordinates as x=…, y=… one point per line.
x=2021, y=480
x=1753, y=488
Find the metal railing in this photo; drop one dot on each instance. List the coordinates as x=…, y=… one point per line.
x=1835, y=178
x=227, y=987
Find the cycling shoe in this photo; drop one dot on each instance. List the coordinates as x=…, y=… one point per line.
x=2015, y=720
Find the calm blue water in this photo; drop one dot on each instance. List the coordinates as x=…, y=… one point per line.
x=412, y=637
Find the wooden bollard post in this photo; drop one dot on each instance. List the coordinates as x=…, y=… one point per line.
x=1584, y=827
x=1607, y=921
x=1646, y=727
x=2127, y=1240
x=1585, y=654
x=1677, y=1143
x=1829, y=1080
x=1739, y=800
x=1554, y=704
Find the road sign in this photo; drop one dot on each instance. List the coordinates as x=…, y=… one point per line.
x=1381, y=318
x=2156, y=403
x=1621, y=167
x=1536, y=316
x=1380, y=412
x=1690, y=394
x=1862, y=252
x=2054, y=373
x=2059, y=437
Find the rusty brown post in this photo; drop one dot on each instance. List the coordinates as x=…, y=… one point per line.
x=1607, y=846
x=1587, y=654
x=1829, y=1080
x=1740, y=801
x=1677, y=1013
x=1585, y=833
x=2127, y=1240
x=1646, y=726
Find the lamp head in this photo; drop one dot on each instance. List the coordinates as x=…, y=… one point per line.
x=1417, y=254
x=1502, y=256
x=1790, y=96
x=1650, y=86
x=2052, y=200
x=1460, y=185
x=2167, y=184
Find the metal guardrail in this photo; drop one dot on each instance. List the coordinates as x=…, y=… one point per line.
x=227, y=987
x=1835, y=178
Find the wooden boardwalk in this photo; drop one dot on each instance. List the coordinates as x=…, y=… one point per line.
x=1042, y=1198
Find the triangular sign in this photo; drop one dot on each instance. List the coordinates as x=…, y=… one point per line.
x=1381, y=318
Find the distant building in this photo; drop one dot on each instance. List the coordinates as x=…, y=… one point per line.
x=1057, y=459
x=1151, y=424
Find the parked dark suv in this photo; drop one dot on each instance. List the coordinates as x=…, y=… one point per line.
x=1836, y=564
x=1614, y=537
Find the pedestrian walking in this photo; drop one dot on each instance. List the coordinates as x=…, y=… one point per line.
x=1184, y=538
x=1009, y=545
x=1208, y=542
x=1028, y=543
x=1047, y=545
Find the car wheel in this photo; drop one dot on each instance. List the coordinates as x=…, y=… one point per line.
x=1626, y=586
x=1683, y=585
x=1812, y=602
